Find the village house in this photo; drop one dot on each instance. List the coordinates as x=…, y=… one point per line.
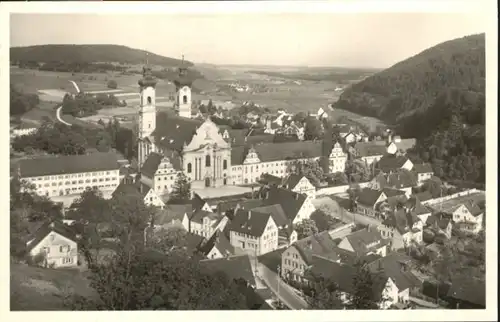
x=237, y=268
x=423, y=171
x=397, y=267
x=23, y=129
x=390, y=163
x=299, y=184
x=56, y=243
x=253, y=232
x=159, y=173
x=148, y=195
x=343, y=275
x=395, y=145
x=440, y=224
x=367, y=200
x=364, y=242
x=398, y=180
x=218, y=246
x=338, y=159
x=298, y=256
x=367, y=152
x=297, y=206
x=468, y=217
x=401, y=228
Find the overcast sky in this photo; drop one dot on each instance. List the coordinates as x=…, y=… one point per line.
x=351, y=40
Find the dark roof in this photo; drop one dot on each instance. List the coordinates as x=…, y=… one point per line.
x=290, y=201
x=292, y=180
x=219, y=241
x=343, y=275
x=438, y=220
x=249, y=222
x=269, y=152
x=396, y=266
x=405, y=144
x=415, y=206
x=268, y=179
x=319, y=244
x=424, y=196
x=368, y=196
x=390, y=163
x=473, y=208
x=235, y=267
x=366, y=149
x=199, y=215
x=193, y=241
x=130, y=189
x=422, y=168
x=172, y=132
x=46, y=229
x=361, y=240
x=401, y=220
x=63, y=164
x=197, y=202
x=399, y=179
x=392, y=192
x=277, y=212
x=468, y=289
x=238, y=154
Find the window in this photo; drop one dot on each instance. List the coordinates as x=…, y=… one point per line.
x=189, y=168
x=207, y=161
x=67, y=260
x=224, y=165
x=149, y=99
x=184, y=99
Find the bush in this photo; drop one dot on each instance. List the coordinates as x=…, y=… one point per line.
x=37, y=260
x=112, y=84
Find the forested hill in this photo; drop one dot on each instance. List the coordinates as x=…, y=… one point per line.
x=90, y=54
x=438, y=97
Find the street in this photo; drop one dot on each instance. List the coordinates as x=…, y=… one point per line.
x=286, y=294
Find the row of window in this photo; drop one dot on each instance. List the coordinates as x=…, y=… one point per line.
x=75, y=175
x=294, y=264
x=208, y=163
x=62, y=249
x=68, y=191
x=74, y=182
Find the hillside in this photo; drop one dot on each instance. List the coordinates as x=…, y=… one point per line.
x=436, y=96
x=90, y=54
x=414, y=84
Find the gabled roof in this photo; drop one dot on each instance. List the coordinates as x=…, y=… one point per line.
x=401, y=221
x=63, y=164
x=269, y=152
x=422, y=168
x=368, y=196
x=277, y=212
x=415, y=206
x=396, y=266
x=390, y=163
x=367, y=149
x=199, y=215
x=172, y=131
x=400, y=179
x=235, y=267
x=343, y=275
x=48, y=227
x=438, y=220
x=392, y=192
x=193, y=241
x=249, y=222
x=292, y=180
x=197, y=202
x=219, y=241
x=290, y=201
x=468, y=289
x=473, y=208
x=268, y=179
x=362, y=240
x=319, y=244
x=130, y=189
x=151, y=164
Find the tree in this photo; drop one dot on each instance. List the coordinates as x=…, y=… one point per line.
x=322, y=220
x=112, y=84
x=313, y=129
x=325, y=295
x=310, y=169
x=338, y=179
x=181, y=190
x=364, y=295
x=306, y=228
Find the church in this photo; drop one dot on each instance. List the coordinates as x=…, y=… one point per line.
x=205, y=153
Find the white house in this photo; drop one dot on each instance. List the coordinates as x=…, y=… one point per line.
x=368, y=152
x=159, y=173
x=401, y=228
x=299, y=184
x=338, y=159
x=253, y=232
x=364, y=242
x=23, y=129
x=56, y=243
x=202, y=223
x=218, y=246
x=424, y=172
x=468, y=217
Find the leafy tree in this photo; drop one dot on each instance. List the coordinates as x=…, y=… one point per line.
x=306, y=228
x=313, y=129
x=112, y=84
x=300, y=117
x=20, y=102
x=338, y=179
x=322, y=220
x=310, y=169
x=363, y=296
x=181, y=190
x=325, y=295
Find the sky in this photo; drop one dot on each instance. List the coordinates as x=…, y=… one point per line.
x=376, y=40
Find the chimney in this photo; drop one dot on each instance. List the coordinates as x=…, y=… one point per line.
x=309, y=244
x=249, y=215
x=389, y=137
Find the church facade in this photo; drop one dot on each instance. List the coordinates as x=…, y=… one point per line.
x=168, y=144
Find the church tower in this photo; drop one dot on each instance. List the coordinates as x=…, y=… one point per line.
x=147, y=114
x=183, y=92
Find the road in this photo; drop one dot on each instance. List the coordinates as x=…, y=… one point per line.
x=58, y=116
x=286, y=294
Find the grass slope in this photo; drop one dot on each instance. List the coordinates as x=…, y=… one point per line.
x=90, y=54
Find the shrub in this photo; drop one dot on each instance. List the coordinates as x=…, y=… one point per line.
x=112, y=84
x=36, y=260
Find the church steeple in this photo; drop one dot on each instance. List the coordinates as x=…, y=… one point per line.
x=183, y=88
x=147, y=80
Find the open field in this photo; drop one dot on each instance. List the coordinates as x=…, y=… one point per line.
x=43, y=289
